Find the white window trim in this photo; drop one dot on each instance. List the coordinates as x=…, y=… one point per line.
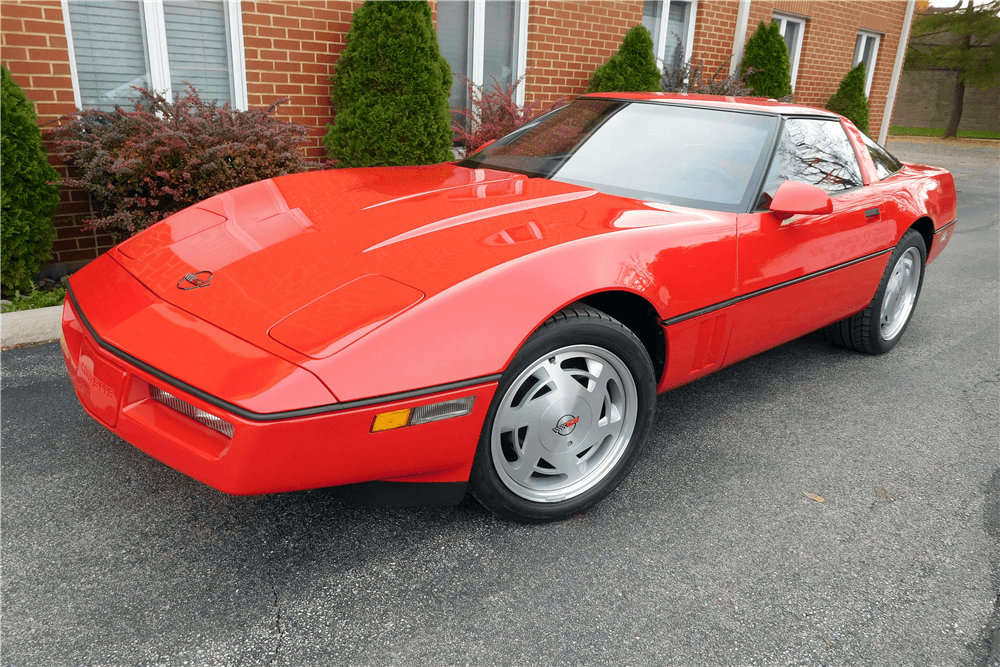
x=859, y=49
x=479, y=45
x=783, y=20
x=155, y=40
x=661, y=41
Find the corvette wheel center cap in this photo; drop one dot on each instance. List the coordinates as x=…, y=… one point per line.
x=565, y=424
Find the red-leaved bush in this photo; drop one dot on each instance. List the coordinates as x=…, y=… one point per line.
x=141, y=166
x=495, y=114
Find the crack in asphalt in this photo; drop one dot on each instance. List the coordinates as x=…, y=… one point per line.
x=277, y=624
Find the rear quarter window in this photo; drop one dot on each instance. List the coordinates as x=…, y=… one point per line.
x=885, y=164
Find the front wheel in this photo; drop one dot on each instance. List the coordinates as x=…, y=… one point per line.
x=878, y=328
x=567, y=421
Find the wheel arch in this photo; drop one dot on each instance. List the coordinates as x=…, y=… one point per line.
x=925, y=226
x=639, y=316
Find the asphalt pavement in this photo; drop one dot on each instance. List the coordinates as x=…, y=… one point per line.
x=710, y=553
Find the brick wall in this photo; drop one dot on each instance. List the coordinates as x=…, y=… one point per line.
x=567, y=41
x=291, y=47
x=714, y=29
x=33, y=47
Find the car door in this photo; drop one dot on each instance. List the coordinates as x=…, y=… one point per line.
x=802, y=273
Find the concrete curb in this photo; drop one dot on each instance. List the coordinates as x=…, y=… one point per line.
x=30, y=326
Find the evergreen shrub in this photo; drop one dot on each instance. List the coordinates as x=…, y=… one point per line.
x=390, y=90
x=849, y=100
x=766, y=67
x=143, y=165
x=632, y=69
x=29, y=192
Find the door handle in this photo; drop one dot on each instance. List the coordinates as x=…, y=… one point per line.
x=871, y=212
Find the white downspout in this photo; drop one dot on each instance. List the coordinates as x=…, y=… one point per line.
x=897, y=70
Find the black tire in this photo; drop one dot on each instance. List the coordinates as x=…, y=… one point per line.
x=874, y=330
x=589, y=376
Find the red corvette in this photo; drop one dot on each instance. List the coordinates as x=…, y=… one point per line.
x=502, y=324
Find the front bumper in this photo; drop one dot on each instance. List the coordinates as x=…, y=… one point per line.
x=328, y=447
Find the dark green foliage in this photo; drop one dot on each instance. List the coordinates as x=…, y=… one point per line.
x=850, y=100
x=29, y=193
x=765, y=66
x=963, y=40
x=390, y=90
x=632, y=69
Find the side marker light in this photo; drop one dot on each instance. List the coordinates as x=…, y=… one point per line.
x=424, y=414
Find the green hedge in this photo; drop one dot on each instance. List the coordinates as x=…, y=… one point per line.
x=29, y=192
x=850, y=100
x=766, y=67
x=632, y=69
x=390, y=90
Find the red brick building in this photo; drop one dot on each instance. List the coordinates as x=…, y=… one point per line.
x=88, y=53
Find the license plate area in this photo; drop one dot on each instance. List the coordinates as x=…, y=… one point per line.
x=99, y=384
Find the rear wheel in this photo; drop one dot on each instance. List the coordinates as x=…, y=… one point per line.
x=878, y=328
x=567, y=421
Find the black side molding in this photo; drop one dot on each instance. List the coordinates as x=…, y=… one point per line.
x=403, y=494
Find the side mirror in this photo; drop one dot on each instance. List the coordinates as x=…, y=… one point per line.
x=794, y=197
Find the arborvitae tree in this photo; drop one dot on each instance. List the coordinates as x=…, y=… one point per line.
x=390, y=90
x=632, y=69
x=29, y=192
x=850, y=100
x=765, y=66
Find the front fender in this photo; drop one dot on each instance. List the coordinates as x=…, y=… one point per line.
x=474, y=328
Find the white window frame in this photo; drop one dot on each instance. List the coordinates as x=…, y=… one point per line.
x=159, y=60
x=859, y=49
x=478, y=45
x=783, y=21
x=661, y=40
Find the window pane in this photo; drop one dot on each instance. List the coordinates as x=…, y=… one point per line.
x=500, y=45
x=110, y=52
x=651, y=10
x=816, y=152
x=868, y=51
x=791, y=37
x=676, y=32
x=858, y=45
x=198, y=48
x=453, y=28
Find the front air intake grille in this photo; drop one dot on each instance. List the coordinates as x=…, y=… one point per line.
x=211, y=421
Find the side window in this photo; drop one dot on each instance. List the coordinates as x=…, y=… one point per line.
x=885, y=164
x=814, y=151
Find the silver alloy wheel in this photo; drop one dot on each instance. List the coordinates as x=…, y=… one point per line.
x=564, y=423
x=900, y=294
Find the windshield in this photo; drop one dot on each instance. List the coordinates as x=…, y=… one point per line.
x=690, y=156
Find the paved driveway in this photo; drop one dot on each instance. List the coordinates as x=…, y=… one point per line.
x=709, y=554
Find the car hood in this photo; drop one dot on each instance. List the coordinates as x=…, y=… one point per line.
x=313, y=261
